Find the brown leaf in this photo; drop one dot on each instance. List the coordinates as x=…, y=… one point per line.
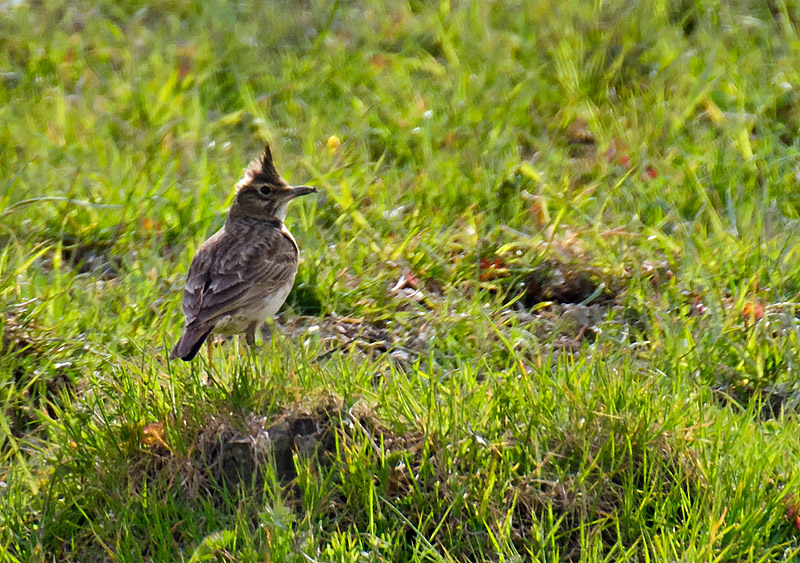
x=186, y=56
x=153, y=435
x=792, y=510
x=379, y=61
x=753, y=310
x=407, y=279
x=492, y=269
x=539, y=214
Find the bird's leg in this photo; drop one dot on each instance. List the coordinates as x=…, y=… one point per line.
x=210, y=349
x=250, y=335
x=266, y=331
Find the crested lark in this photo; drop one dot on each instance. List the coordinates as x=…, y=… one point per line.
x=243, y=273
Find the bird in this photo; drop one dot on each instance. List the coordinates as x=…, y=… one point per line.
x=243, y=273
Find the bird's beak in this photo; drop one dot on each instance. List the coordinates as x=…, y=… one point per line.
x=297, y=191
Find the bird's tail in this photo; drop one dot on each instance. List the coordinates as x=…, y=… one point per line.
x=190, y=342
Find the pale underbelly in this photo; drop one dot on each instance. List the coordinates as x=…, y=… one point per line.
x=237, y=323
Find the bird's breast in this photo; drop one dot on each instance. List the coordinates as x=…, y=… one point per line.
x=258, y=312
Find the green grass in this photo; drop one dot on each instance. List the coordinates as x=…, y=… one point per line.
x=597, y=201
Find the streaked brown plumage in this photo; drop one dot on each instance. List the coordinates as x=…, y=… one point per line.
x=243, y=273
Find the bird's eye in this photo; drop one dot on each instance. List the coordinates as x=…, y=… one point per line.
x=265, y=190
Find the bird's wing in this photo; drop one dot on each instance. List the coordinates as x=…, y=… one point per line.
x=229, y=272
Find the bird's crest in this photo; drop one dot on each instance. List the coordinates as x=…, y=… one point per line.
x=260, y=171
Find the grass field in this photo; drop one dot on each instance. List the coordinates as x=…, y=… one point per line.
x=547, y=308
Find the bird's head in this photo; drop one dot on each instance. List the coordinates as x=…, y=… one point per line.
x=262, y=193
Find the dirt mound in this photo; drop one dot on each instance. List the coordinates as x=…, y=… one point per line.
x=565, y=284
x=256, y=450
